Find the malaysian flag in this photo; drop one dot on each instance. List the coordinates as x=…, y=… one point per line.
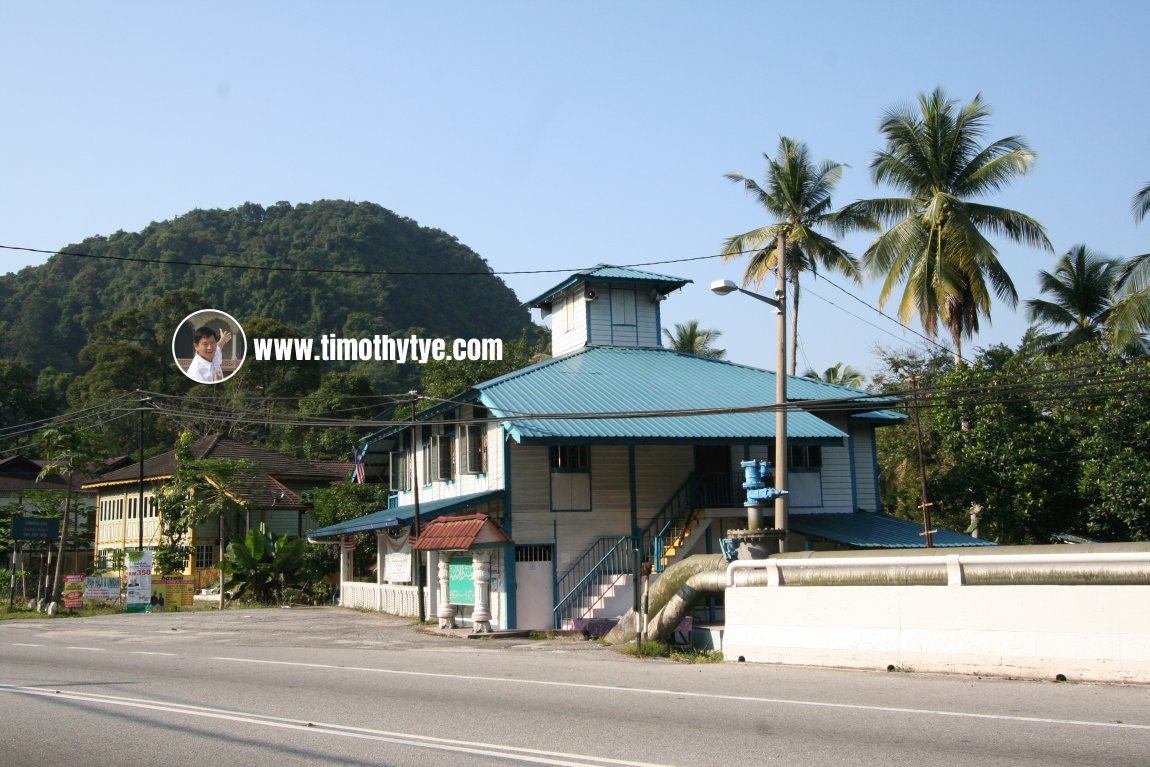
x=360, y=468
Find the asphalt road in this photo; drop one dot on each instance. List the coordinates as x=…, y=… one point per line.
x=333, y=687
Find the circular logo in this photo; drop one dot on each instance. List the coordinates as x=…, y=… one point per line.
x=209, y=346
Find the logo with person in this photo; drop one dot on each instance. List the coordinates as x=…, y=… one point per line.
x=209, y=346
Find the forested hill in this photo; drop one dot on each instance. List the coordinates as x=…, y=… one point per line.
x=48, y=312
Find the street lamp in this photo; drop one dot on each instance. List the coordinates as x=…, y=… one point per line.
x=779, y=302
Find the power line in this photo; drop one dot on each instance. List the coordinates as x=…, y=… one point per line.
x=357, y=272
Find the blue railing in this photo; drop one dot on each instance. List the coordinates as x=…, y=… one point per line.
x=607, y=558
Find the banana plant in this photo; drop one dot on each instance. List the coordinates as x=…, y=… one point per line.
x=261, y=566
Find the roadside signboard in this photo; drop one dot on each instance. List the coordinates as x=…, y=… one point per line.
x=101, y=587
x=35, y=528
x=172, y=592
x=73, y=592
x=461, y=586
x=139, y=582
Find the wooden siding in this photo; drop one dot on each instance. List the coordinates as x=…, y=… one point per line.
x=607, y=329
x=867, y=496
x=659, y=471
x=569, y=337
x=461, y=484
x=825, y=489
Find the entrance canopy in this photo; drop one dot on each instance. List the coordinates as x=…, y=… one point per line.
x=404, y=516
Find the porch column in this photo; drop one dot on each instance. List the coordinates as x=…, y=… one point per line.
x=445, y=610
x=380, y=555
x=345, y=563
x=481, y=573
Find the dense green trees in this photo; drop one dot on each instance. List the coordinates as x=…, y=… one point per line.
x=352, y=267
x=1053, y=443
x=100, y=329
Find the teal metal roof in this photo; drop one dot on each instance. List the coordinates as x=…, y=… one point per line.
x=664, y=282
x=402, y=516
x=616, y=382
x=875, y=530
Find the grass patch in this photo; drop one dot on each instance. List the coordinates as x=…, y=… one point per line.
x=646, y=649
x=20, y=612
x=695, y=655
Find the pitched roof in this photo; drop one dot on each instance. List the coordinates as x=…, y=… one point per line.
x=618, y=382
x=403, y=516
x=216, y=446
x=664, y=283
x=876, y=530
x=460, y=533
x=260, y=487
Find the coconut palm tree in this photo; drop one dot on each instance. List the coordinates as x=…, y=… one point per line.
x=1081, y=290
x=797, y=194
x=691, y=339
x=1130, y=317
x=840, y=374
x=937, y=242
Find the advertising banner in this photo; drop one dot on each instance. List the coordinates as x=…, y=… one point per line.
x=139, y=582
x=73, y=592
x=101, y=587
x=397, y=557
x=172, y=592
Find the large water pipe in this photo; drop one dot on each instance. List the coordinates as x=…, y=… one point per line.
x=674, y=595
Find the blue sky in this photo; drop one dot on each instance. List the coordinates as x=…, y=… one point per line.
x=561, y=135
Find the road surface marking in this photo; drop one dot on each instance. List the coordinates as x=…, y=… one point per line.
x=710, y=696
x=536, y=756
x=93, y=649
x=25, y=644
x=146, y=652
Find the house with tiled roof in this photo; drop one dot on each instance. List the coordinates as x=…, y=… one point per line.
x=270, y=494
x=617, y=444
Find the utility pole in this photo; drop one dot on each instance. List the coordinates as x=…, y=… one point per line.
x=415, y=498
x=928, y=531
x=782, y=502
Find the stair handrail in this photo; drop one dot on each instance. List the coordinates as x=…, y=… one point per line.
x=586, y=569
x=682, y=503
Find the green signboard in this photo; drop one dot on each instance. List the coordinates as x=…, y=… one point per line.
x=461, y=587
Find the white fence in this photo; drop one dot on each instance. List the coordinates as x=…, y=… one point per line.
x=396, y=600
x=1083, y=631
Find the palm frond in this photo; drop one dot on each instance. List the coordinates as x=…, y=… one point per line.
x=1010, y=224
x=1140, y=205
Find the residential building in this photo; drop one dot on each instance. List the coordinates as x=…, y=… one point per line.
x=127, y=514
x=618, y=444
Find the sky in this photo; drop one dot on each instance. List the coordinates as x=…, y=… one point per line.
x=556, y=136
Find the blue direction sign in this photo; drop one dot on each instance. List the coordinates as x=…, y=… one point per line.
x=35, y=528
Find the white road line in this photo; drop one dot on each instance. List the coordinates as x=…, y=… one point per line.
x=25, y=644
x=537, y=756
x=711, y=696
x=145, y=652
x=92, y=649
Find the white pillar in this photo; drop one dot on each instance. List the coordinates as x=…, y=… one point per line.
x=380, y=554
x=345, y=564
x=445, y=610
x=481, y=573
